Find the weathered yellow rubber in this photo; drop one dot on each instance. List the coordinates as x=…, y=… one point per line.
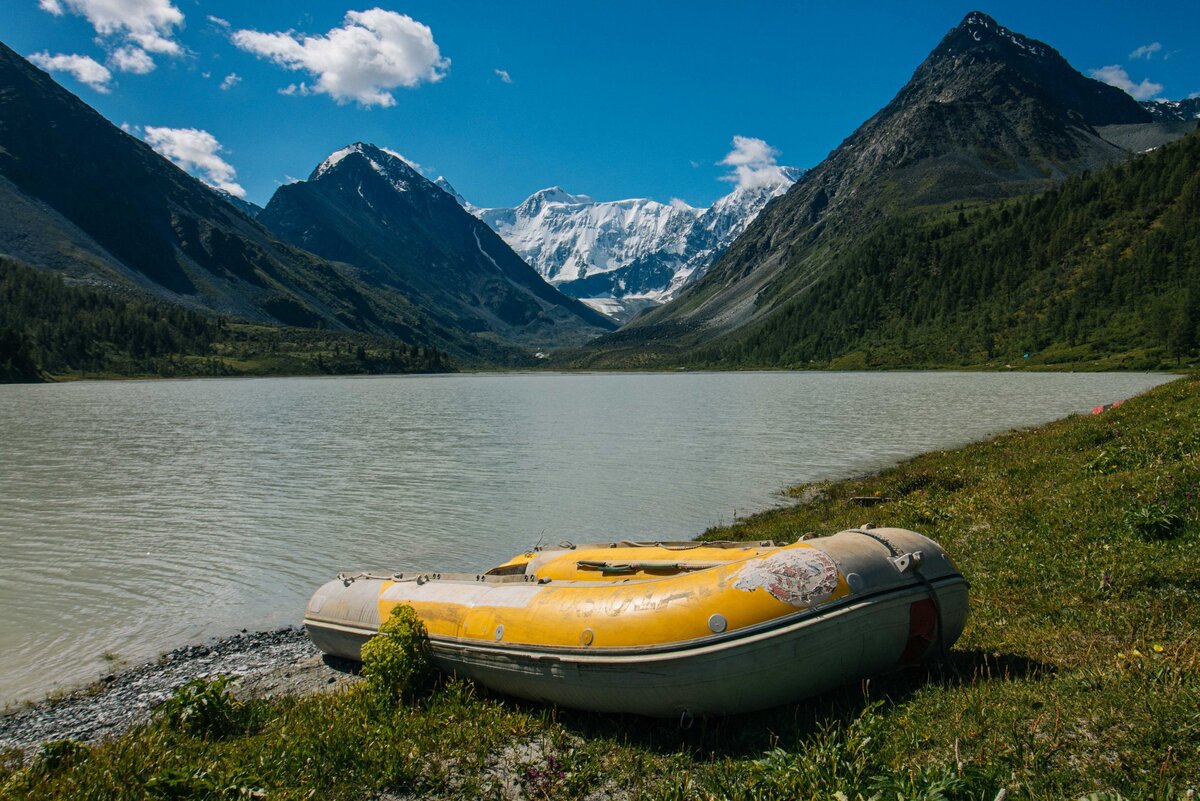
x=646, y=607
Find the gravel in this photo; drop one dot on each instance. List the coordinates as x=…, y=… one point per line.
x=265, y=664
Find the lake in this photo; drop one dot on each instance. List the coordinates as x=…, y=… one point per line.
x=137, y=516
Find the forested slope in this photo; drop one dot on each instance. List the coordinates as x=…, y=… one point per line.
x=50, y=328
x=1104, y=268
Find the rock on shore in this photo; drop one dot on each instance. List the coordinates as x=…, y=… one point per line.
x=264, y=664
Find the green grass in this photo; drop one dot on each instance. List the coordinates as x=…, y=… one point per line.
x=1078, y=674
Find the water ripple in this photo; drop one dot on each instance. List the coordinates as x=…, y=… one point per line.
x=135, y=516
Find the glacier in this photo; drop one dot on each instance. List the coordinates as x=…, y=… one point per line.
x=620, y=256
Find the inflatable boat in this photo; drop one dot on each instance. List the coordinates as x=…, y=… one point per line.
x=670, y=629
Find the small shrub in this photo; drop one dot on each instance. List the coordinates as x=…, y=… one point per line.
x=204, y=708
x=201, y=783
x=1155, y=521
x=925, y=783
x=56, y=755
x=396, y=659
x=11, y=761
x=835, y=758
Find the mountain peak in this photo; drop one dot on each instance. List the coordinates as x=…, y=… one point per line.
x=441, y=183
x=545, y=197
x=980, y=32
x=386, y=162
x=556, y=194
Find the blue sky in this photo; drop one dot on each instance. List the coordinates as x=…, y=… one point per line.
x=613, y=99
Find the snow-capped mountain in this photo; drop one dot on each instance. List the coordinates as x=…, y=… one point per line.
x=368, y=207
x=1174, y=110
x=622, y=255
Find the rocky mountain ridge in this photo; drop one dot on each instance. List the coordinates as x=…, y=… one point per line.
x=366, y=206
x=622, y=255
x=989, y=114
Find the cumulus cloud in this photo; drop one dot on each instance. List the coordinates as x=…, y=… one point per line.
x=1115, y=75
x=84, y=69
x=231, y=80
x=195, y=151
x=372, y=53
x=503, y=75
x=1146, y=51
x=149, y=24
x=131, y=59
x=753, y=163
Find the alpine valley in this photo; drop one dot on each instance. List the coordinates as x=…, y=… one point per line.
x=1003, y=209
x=856, y=257
x=366, y=247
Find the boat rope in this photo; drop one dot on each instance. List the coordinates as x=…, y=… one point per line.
x=866, y=532
x=915, y=565
x=350, y=578
x=943, y=649
x=620, y=568
x=666, y=546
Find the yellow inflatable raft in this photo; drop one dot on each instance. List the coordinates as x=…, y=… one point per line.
x=670, y=628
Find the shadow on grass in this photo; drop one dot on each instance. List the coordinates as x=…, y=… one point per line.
x=788, y=726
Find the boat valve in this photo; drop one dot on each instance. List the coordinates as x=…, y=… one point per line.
x=908, y=561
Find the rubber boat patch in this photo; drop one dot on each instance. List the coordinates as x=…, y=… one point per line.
x=801, y=577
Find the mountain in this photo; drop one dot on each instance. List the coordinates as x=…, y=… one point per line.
x=242, y=205
x=1173, y=110
x=623, y=255
x=81, y=197
x=368, y=207
x=989, y=114
x=1102, y=272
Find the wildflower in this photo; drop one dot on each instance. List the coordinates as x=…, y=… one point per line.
x=1121, y=656
x=1158, y=649
x=1136, y=654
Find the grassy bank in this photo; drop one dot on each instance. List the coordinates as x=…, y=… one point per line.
x=1078, y=675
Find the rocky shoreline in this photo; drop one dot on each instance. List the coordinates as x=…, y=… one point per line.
x=264, y=664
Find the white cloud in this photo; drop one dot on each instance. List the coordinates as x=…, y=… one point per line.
x=503, y=75
x=143, y=26
x=196, y=151
x=373, y=52
x=1193, y=95
x=231, y=80
x=224, y=23
x=753, y=162
x=131, y=59
x=1146, y=51
x=1115, y=75
x=84, y=69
